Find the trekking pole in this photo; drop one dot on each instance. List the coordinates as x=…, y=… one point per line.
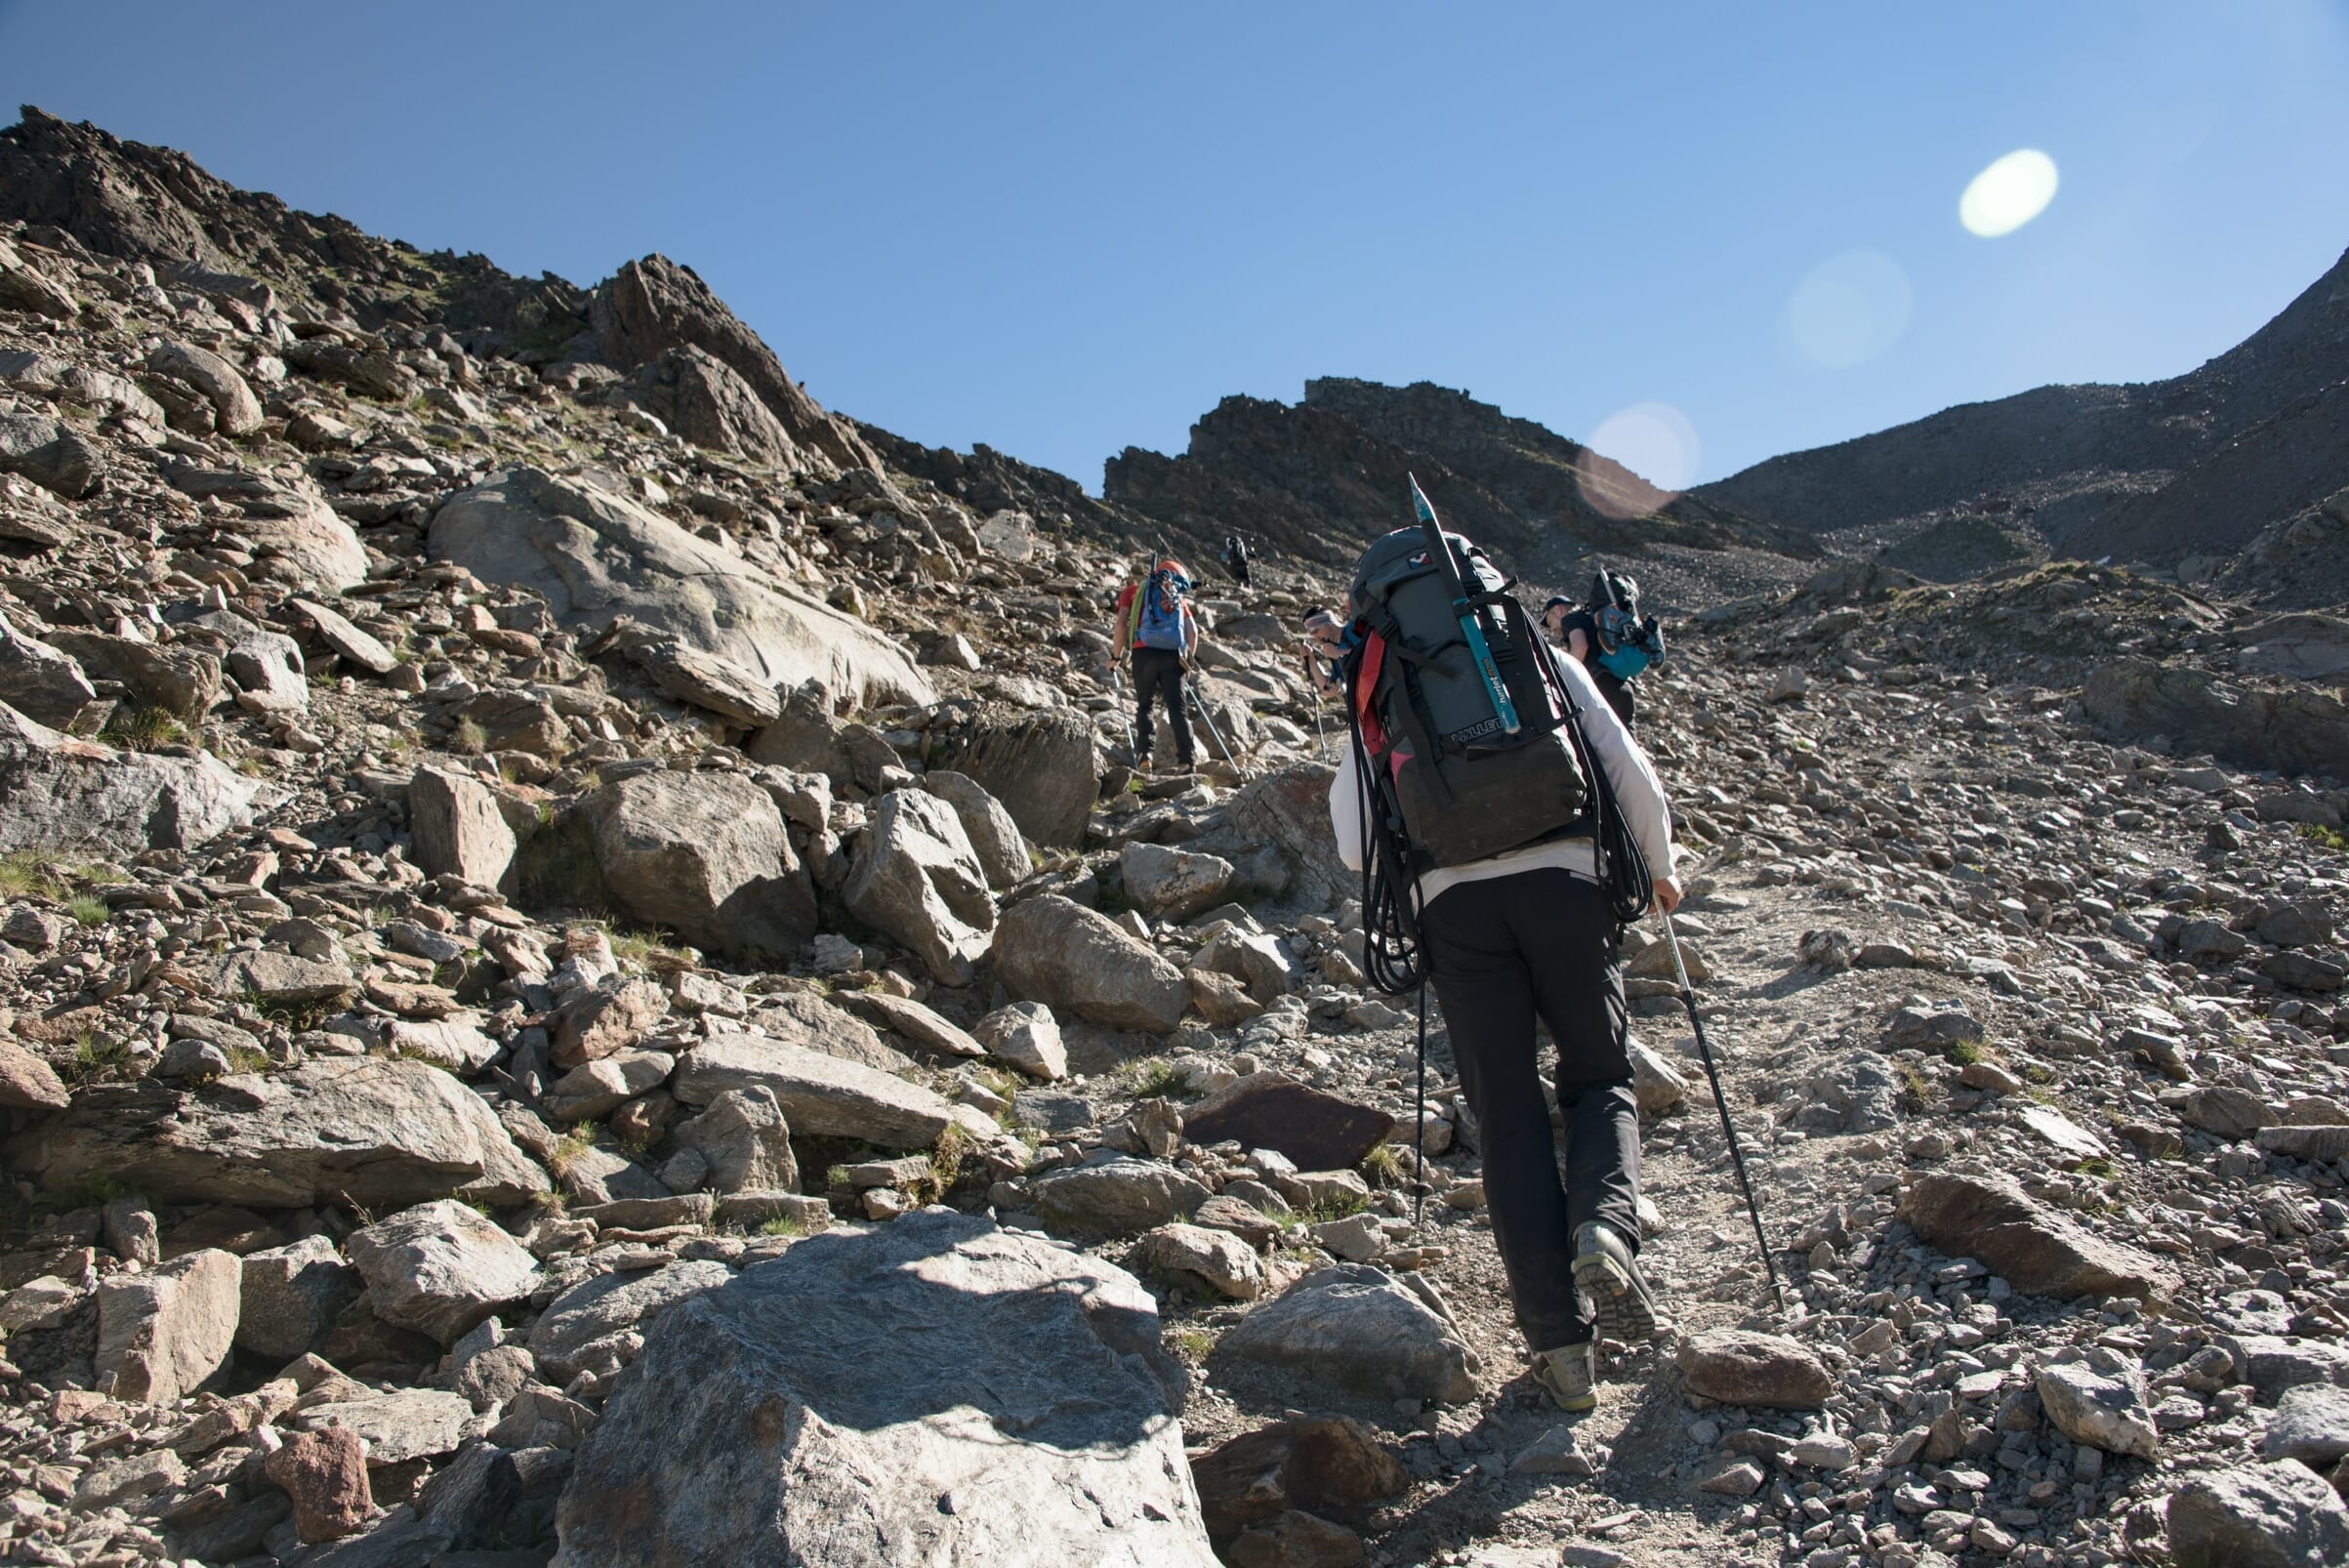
x=1736, y=1158
x=1199, y=704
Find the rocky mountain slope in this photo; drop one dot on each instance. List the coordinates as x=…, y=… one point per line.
x=582, y=988
x=1317, y=479
x=2193, y=465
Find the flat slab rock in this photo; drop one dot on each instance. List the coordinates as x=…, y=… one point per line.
x=1736, y=1367
x=931, y=1390
x=2280, y=1515
x=1319, y=1130
x=2036, y=1249
x=378, y=1131
x=1363, y=1329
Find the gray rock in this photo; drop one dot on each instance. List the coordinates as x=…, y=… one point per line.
x=1656, y=1083
x=1076, y=959
x=1117, y=1196
x=41, y=681
x=744, y=1140
x=1736, y=1367
x=378, y=1131
x=705, y=855
x=235, y=410
x=1026, y=1035
x=1046, y=767
x=266, y=666
x=1173, y=884
x=916, y=879
x=705, y=680
x=995, y=838
x=1023, y=1412
x=1358, y=1327
x=2280, y=1515
x=53, y=455
x=60, y=793
x=2311, y=1424
x=602, y=1086
x=706, y=402
x=346, y=640
x=182, y=680
x=2295, y=729
x=291, y=1295
x=613, y=1303
x=596, y=556
x=797, y=1019
x=440, y=1269
x=2100, y=1403
x=162, y=1332
x=820, y=1096
x=296, y=537
x=275, y=980
x=922, y=1025
x=1256, y=958
x=2272, y=1363
x=1218, y=1258
x=400, y=1425
x=1992, y=1219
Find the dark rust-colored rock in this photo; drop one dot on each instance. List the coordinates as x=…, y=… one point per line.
x=1319, y=1130
x=1324, y=1465
x=2033, y=1247
x=325, y=1473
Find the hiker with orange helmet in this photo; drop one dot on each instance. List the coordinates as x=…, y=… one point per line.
x=1157, y=629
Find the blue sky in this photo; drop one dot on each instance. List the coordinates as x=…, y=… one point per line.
x=1065, y=229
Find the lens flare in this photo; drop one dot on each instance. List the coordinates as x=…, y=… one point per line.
x=1637, y=459
x=2007, y=194
x=1848, y=309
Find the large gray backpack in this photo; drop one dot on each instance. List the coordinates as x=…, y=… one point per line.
x=1459, y=781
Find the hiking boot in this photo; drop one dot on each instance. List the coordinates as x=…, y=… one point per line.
x=1609, y=1274
x=1571, y=1375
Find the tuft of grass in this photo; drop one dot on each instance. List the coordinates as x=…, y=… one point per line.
x=469, y=739
x=251, y=766
x=784, y=1225
x=2097, y=1166
x=1384, y=1167
x=1967, y=1053
x=96, y=1060
x=574, y=1146
x=1338, y=1205
x=2322, y=837
x=947, y=1162
x=34, y=874
x=247, y=1060
x=1160, y=1078
x=145, y=729
x=88, y=908
x=1190, y=1344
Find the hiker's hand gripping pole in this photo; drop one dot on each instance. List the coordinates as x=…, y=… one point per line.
x=1472, y=625
x=1712, y=1076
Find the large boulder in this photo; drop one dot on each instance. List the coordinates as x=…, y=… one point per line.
x=295, y=536
x=1023, y=1412
x=2292, y=729
x=43, y=682
x=290, y=1296
x=376, y=1132
x=1054, y=950
x=1361, y=1328
x=2280, y=1515
x=1173, y=884
x=746, y=1142
x=1118, y=1196
x=596, y=556
x=1044, y=767
x=61, y=792
x=593, y=1311
x=705, y=855
x=994, y=833
x=704, y=399
x=1289, y=811
x=440, y=1269
x=1737, y=1367
x=916, y=879
x=459, y=830
x=235, y=410
x=1991, y=1217
x=651, y=306
x=165, y=1329
x=820, y=1096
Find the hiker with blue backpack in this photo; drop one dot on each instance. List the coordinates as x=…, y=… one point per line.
x=1608, y=636
x=1158, y=631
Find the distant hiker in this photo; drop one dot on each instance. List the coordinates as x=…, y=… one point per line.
x=1235, y=559
x=1327, y=635
x=1517, y=869
x=1156, y=626
x=1608, y=636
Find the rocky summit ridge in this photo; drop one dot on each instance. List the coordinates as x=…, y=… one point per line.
x=584, y=978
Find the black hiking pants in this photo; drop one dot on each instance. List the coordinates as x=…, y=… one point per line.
x=1502, y=952
x=1157, y=675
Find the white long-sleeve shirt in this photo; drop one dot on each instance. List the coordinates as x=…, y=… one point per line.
x=1637, y=792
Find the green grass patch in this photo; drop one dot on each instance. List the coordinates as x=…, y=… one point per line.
x=1967, y=1053
x=145, y=729
x=247, y=1060
x=572, y=1148
x=791, y=1225
x=37, y=874
x=1153, y=1079
x=89, y=909
x=469, y=739
x=1338, y=1205
x=1384, y=1166
x=1192, y=1344
x=96, y=1060
x=2322, y=837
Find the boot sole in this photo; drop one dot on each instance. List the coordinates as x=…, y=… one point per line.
x=1618, y=1297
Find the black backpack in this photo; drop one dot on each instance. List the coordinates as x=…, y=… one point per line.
x=1467, y=740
